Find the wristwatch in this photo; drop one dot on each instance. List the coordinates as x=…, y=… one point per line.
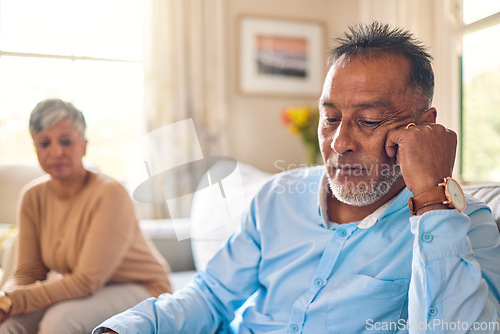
x=5, y=303
x=448, y=193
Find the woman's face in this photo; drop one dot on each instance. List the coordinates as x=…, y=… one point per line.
x=60, y=150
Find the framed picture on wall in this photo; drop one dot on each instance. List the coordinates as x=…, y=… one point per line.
x=281, y=57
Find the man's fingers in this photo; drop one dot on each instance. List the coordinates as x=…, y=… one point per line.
x=392, y=141
x=391, y=148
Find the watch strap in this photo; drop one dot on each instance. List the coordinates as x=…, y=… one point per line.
x=436, y=195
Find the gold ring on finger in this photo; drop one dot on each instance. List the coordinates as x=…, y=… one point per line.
x=410, y=125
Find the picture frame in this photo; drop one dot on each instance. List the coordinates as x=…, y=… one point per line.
x=281, y=57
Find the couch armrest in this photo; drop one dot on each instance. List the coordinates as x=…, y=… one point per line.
x=489, y=194
x=162, y=232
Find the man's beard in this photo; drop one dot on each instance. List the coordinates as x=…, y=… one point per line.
x=364, y=193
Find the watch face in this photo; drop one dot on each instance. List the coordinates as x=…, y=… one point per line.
x=456, y=195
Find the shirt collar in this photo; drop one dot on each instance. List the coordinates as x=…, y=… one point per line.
x=367, y=222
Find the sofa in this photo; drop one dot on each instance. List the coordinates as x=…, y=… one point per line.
x=183, y=255
x=208, y=226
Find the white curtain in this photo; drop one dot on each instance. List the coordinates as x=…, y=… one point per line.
x=399, y=13
x=185, y=77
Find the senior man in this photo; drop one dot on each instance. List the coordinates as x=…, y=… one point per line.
x=385, y=241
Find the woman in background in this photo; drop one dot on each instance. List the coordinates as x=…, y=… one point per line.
x=81, y=225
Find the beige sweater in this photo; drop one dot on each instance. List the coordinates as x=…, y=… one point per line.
x=91, y=239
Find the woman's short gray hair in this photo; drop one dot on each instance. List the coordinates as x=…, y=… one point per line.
x=50, y=111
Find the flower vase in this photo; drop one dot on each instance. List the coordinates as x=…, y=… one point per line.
x=312, y=154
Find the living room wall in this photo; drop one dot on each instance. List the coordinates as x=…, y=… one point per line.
x=256, y=134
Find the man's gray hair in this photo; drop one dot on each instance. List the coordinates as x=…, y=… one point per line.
x=50, y=111
x=376, y=39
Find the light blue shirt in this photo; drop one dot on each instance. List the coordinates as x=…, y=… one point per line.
x=392, y=272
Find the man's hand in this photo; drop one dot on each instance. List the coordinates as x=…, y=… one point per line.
x=426, y=153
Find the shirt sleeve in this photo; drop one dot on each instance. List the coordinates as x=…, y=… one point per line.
x=455, y=282
x=29, y=266
x=208, y=304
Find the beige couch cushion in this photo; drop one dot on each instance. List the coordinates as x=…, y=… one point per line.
x=489, y=194
x=13, y=178
x=214, y=219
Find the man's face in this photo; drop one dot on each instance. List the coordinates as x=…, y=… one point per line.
x=361, y=101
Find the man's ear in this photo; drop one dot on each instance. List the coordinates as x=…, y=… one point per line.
x=428, y=116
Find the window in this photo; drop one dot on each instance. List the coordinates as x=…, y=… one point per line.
x=480, y=91
x=84, y=51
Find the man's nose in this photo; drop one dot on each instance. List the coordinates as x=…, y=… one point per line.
x=343, y=139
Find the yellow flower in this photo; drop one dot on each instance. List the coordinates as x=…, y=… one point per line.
x=303, y=121
x=299, y=115
x=293, y=129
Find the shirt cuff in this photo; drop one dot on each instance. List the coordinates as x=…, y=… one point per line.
x=440, y=234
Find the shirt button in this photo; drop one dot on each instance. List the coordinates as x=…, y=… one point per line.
x=294, y=328
x=318, y=282
x=427, y=237
x=433, y=311
x=342, y=233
